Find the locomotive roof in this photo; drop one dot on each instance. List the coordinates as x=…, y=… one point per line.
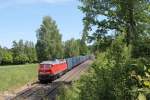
x=53, y=62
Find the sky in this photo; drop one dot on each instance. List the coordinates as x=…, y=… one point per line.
x=19, y=19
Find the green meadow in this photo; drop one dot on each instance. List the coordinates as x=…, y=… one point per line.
x=15, y=76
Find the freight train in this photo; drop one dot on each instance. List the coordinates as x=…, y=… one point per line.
x=51, y=70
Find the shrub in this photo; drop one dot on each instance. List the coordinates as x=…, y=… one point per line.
x=7, y=58
x=21, y=59
x=0, y=58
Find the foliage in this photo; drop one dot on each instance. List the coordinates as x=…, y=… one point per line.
x=107, y=76
x=49, y=44
x=118, y=51
x=30, y=51
x=72, y=48
x=102, y=45
x=7, y=57
x=18, y=48
x=83, y=46
x=76, y=47
x=142, y=48
x=122, y=69
x=139, y=77
x=113, y=76
x=19, y=56
x=68, y=92
x=129, y=17
x=0, y=55
x=21, y=59
x=23, y=52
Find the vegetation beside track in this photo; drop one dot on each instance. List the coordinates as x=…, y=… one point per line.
x=121, y=45
x=15, y=76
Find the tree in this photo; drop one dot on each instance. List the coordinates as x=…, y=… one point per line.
x=49, y=44
x=7, y=57
x=17, y=48
x=83, y=46
x=21, y=59
x=19, y=54
x=116, y=74
x=0, y=54
x=30, y=51
x=24, y=52
x=72, y=48
x=129, y=17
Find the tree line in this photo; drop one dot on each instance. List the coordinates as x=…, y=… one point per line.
x=21, y=52
x=49, y=46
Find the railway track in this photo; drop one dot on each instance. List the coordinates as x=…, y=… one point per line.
x=66, y=79
x=47, y=91
x=26, y=93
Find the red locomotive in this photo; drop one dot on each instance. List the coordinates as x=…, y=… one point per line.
x=50, y=70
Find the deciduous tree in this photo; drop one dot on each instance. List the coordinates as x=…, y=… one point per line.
x=7, y=57
x=49, y=44
x=129, y=17
x=23, y=52
x=30, y=51
x=72, y=48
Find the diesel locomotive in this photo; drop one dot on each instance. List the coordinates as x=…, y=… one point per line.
x=51, y=70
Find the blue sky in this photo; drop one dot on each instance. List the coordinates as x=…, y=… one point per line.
x=21, y=18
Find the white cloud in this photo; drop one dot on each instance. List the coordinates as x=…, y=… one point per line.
x=6, y=3
x=33, y=1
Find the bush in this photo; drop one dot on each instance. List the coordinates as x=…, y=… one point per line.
x=0, y=58
x=106, y=81
x=115, y=76
x=21, y=59
x=68, y=92
x=7, y=58
x=107, y=78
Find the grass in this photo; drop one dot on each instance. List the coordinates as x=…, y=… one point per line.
x=15, y=76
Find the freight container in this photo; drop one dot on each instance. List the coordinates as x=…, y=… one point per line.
x=69, y=63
